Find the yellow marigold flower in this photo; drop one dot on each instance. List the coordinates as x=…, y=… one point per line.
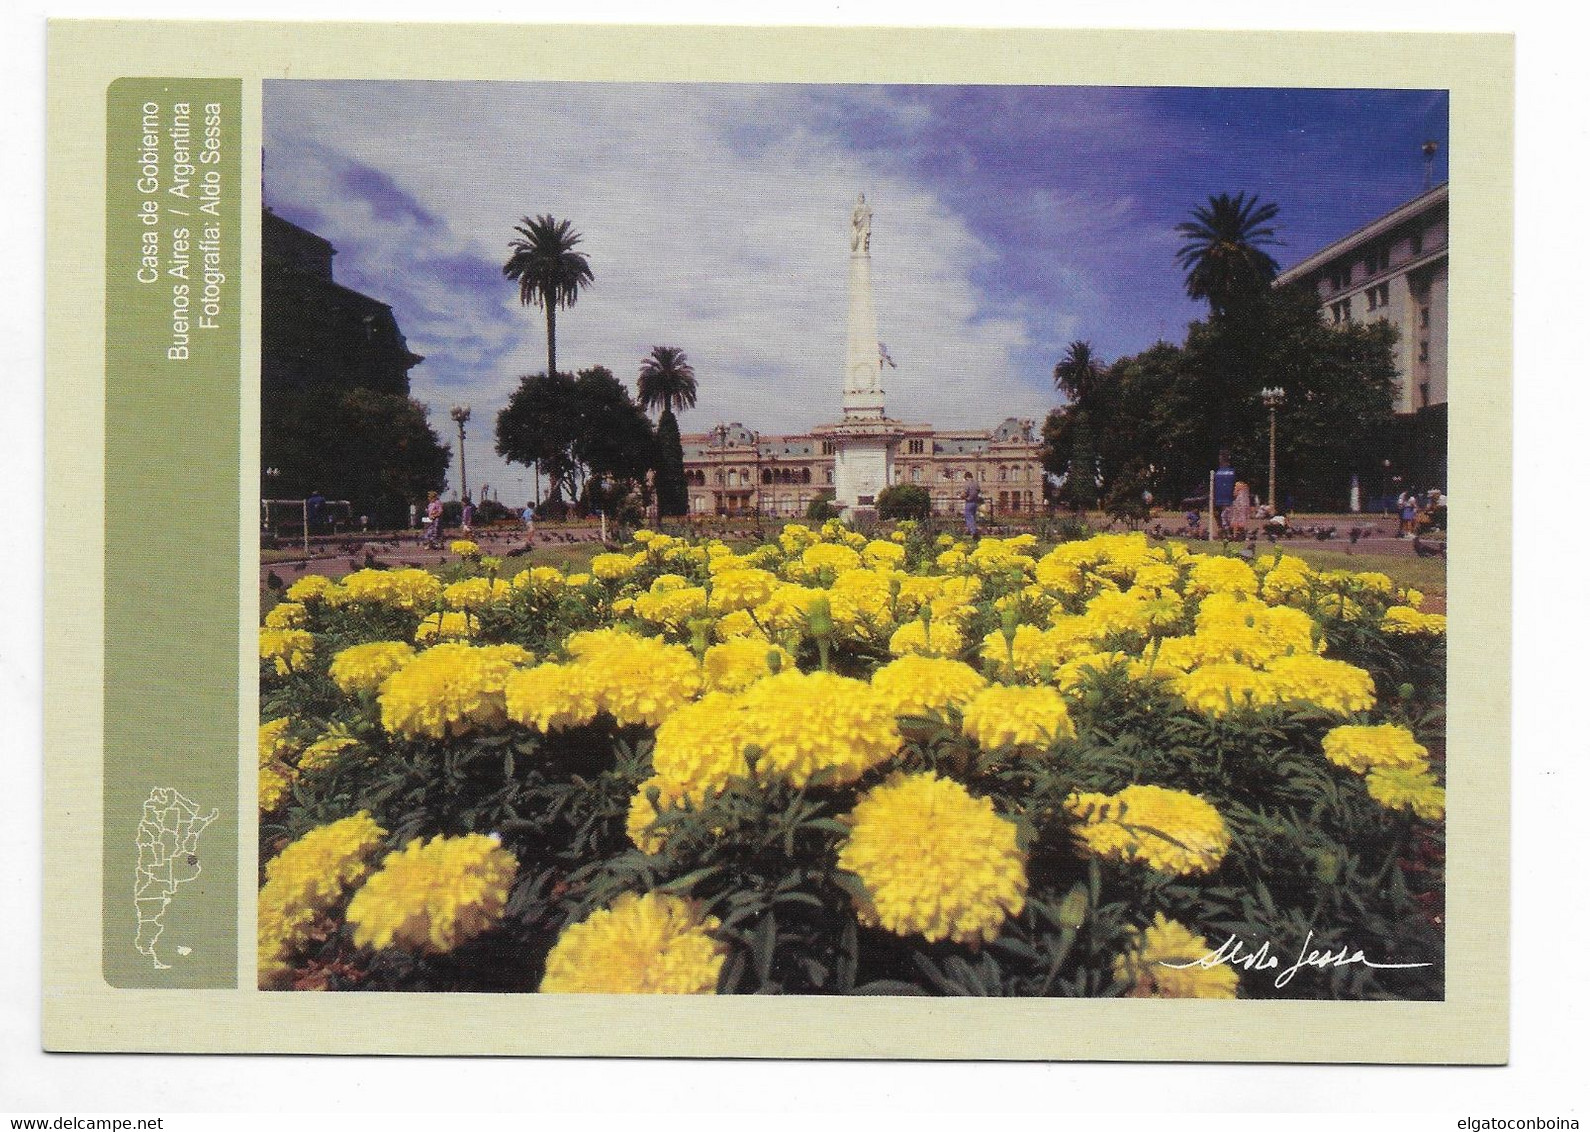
x=952, y=561
x=917, y=685
x=551, y=697
x=934, y=861
x=432, y=896
x=274, y=745
x=940, y=638
x=287, y=615
x=1216, y=689
x=513, y=654
x=612, y=567
x=700, y=749
x=796, y=538
x=1406, y=621
x=818, y=727
x=578, y=581
x=733, y=626
x=643, y=680
x=307, y=879
x=466, y=548
x=1219, y=574
x=1287, y=580
x=671, y=608
x=403, y=589
x=289, y=649
x=1163, y=962
x=449, y=689
x=1001, y=556
x=1111, y=611
x=1376, y=582
x=325, y=751
x=1059, y=572
x=1023, y=717
x=827, y=557
x=1334, y=685
x=741, y=589
x=275, y=783
x=361, y=669
x=644, y=535
x=1386, y=745
x=1413, y=598
x=737, y=664
x=1168, y=830
x=476, y=593
x=540, y=580
x=880, y=553
x=309, y=587
x=652, y=944
x=454, y=626
x=1403, y=788
x=864, y=598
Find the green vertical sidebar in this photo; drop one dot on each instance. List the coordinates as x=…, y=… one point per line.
x=172, y=377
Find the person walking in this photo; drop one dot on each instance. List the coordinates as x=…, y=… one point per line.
x=1225, y=491
x=433, y=520
x=972, y=497
x=529, y=517
x=467, y=517
x=1238, y=513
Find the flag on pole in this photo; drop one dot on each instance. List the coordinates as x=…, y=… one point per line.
x=883, y=357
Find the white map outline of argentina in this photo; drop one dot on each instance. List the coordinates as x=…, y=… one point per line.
x=168, y=856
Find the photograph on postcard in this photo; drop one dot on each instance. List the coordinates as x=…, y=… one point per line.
x=853, y=540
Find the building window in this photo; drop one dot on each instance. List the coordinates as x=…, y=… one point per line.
x=1379, y=296
x=828, y=448
x=1342, y=311
x=1004, y=473
x=913, y=447
x=806, y=475
x=1416, y=244
x=1424, y=351
x=1424, y=394
x=1424, y=318
x=828, y=475
x=916, y=474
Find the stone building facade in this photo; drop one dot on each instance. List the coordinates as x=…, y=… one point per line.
x=1394, y=269
x=732, y=470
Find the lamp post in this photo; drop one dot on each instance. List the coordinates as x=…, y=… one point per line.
x=1273, y=399
x=460, y=414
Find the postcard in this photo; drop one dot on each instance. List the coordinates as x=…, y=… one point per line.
x=764, y=542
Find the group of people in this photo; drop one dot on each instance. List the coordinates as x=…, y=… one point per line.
x=1416, y=513
x=434, y=511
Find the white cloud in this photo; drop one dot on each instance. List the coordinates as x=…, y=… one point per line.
x=715, y=220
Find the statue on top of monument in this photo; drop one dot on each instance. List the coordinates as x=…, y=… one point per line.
x=861, y=226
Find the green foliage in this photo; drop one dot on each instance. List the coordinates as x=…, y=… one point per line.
x=904, y=501
x=577, y=429
x=821, y=509
x=673, y=494
x=375, y=450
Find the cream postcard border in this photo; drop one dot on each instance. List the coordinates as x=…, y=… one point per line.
x=82, y=1012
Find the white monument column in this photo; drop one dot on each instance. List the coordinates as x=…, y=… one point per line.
x=865, y=440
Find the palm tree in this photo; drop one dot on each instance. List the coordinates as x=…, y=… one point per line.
x=1077, y=374
x=667, y=380
x=1222, y=256
x=550, y=272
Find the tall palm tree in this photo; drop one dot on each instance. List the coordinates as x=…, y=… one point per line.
x=667, y=380
x=1223, y=255
x=550, y=272
x=1077, y=374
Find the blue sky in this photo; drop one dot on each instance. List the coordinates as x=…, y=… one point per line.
x=1008, y=221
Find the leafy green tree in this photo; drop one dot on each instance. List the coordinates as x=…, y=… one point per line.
x=668, y=382
x=1224, y=255
x=673, y=493
x=904, y=501
x=376, y=450
x=577, y=429
x=1077, y=374
x=550, y=273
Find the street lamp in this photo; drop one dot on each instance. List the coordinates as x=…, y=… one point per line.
x=1273, y=400
x=460, y=414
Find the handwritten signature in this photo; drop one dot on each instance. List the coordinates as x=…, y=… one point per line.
x=1236, y=953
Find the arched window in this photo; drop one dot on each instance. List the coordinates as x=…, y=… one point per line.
x=720, y=479
x=828, y=475
x=767, y=475
x=806, y=475
x=916, y=475
x=1003, y=473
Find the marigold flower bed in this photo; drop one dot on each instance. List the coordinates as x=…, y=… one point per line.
x=831, y=764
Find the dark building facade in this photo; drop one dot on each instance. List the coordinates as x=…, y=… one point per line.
x=314, y=332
